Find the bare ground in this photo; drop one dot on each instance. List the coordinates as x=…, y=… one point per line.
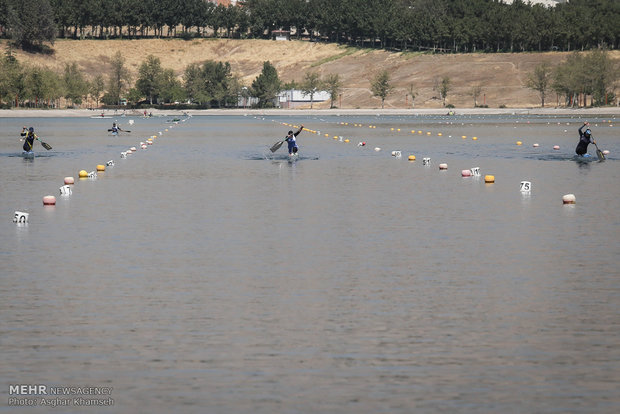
x=500, y=76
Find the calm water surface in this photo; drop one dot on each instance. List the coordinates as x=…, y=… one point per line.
x=206, y=275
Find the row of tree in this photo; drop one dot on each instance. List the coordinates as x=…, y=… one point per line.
x=445, y=25
x=212, y=84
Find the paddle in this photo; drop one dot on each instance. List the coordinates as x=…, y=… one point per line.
x=599, y=153
x=120, y=130
x=45, y=144
x=276, y=146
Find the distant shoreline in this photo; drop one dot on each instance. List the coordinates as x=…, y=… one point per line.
x=86, y=113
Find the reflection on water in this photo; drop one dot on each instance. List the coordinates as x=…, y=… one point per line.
x=205, y=274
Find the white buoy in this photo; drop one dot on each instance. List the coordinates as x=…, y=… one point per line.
x=556, y=147
x=605, y=152
x=377, y=149
x=535, y=145
x=69, y=180
x=131, y=122
x=569, y=199
x=49, y=200
x=143, y=146
x=443, y=166
x=20, y=217
x=466, y=173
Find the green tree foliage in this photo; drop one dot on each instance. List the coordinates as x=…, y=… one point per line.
x=150, y=78
x=380, y=86
x=96, y=88
x=333, y=85
x=311, y=85
x=30, y=23
x=11, y=79
x=118, y=80
x=444, y=88
x=75, y=86
x=267, y=86
x=211, y=84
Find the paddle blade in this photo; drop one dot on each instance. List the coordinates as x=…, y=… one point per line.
x=46, y=145
x=276, y=146
x=601, y=156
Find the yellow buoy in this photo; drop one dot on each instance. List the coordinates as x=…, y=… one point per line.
x=489, y=179
x=439, y=134
x=83, y=174
x=346, y=140
x=475, y=138
x=411, y=158
x=464, y=136
x=519, y=143
x=100, y=167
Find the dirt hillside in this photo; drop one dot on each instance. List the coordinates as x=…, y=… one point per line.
x=501, y=76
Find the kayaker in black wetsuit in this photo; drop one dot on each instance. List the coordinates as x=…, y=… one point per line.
x=30, y=136
x=585, y=138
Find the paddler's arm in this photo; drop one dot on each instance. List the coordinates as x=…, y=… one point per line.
x=300, y=129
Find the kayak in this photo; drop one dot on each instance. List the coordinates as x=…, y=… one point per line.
x=293, y=157
x=28, y=154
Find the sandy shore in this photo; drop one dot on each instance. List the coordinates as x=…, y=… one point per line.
x=85, y=113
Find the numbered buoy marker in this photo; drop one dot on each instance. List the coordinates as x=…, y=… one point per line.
x=475, y=171
x=526, y=186
x=92, y=174
x=426, y=161
x=110, y=163
x=396, y=154
x=123, y=154
x=65, y=190
x=20, y=217
x=131, y=122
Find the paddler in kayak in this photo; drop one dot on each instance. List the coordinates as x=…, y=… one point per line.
x=585, y=138
x=29, y=137
x=115, y=128
x=291, y=141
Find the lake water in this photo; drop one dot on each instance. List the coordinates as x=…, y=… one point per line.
x=206, y=275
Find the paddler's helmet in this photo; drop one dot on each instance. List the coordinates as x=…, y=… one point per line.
x=31, y=129
x=290, y=132
x=588, y=133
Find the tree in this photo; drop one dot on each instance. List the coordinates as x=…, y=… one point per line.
x=118, y=80
x=267, y=86
x=31, y=23
x=75, y=85
x=540, y=81
x=333, y=86
x=380, y=86
x=11, y=79
x=444, y=88
x=476, y=90
x=150, y=78
x=96, y=88
x=311, y=85
x=413, y=94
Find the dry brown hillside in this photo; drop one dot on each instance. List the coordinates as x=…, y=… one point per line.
x=501, y=76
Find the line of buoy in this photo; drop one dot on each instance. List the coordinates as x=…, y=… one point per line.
x=21, y=217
